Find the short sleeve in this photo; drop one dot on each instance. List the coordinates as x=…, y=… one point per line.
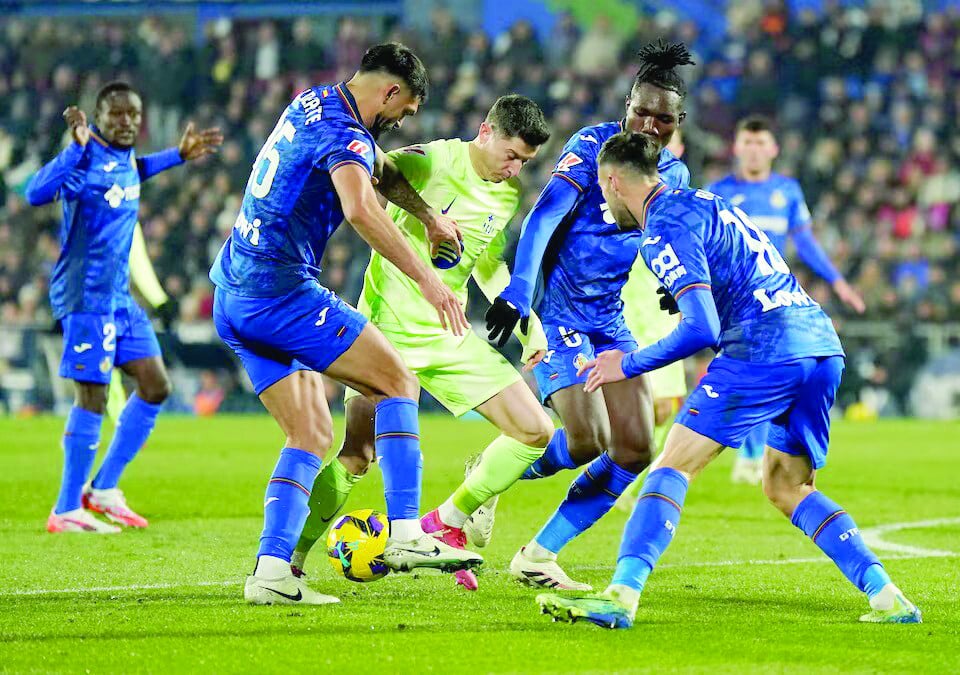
x=675, y=253
x=578, y=160
x=344, y=144
x=799, y=213
x=415, y=163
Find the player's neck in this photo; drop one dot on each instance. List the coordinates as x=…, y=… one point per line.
x=755, y=176
x=366, y=94
x=476, y=160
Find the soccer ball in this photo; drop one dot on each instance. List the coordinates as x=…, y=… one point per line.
x=355, y=545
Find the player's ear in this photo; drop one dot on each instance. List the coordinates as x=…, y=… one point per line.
x=392, y=91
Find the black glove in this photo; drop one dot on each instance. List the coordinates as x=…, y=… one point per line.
x=167, y=312
x=667, y=301
x=502, y=318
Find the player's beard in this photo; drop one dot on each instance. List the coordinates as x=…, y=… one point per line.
x=380, y=125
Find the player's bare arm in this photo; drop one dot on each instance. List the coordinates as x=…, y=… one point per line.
x=393, y=185
x=361, y=209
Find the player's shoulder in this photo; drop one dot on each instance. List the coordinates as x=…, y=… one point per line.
x=786, y=183
x=433, y=149
x=725, y=183
x=684, y=208
x=591, y=137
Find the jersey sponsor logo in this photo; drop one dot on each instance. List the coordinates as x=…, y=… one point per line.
x=82, y=347
x=798, y=298
x=650, y=241
x=589, y=138
x=358, y=147
x=116, y=195
x=778, y=200
x=667, y=266
x=109, y=166
x=449, y=206
x=248, y=229
x=710, y=392
x=568, y=161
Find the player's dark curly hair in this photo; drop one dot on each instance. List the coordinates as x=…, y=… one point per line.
x=658, y=66
x=111, y=88
x=515, y=115
x=639, y=152
x=398, y=60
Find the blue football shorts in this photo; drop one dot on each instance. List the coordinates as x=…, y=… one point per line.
x=568, y=349
x=94, y=343
x=795, y=397
x=307, y=329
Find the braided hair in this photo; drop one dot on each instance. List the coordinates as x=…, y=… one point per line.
x=658, y=64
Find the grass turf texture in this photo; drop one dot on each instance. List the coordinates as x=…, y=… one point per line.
x=201, y=484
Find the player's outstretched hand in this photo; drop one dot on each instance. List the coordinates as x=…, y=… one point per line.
x=76, y=119
x=667, y=302
x=502, y=318
x=606, y=368
x=444, y=229
x=446, y=304
x=849, y=296
x=196, y=144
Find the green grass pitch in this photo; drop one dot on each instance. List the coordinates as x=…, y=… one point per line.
x=733, y=593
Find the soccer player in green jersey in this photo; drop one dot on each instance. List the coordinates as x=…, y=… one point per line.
x=476, y=184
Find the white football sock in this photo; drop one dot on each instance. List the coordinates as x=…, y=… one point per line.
x=451, y=515
x=405, y=529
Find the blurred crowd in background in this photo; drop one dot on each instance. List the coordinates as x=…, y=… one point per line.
x=865, y=102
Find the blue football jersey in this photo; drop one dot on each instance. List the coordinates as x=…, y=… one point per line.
x=290, y=207
x=100, y=198
x=694, y=239
x=775, y=205
x=589, y=258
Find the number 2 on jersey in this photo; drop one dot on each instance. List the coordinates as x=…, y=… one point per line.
x=268, y=161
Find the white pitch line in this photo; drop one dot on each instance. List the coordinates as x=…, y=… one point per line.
x=872, y=536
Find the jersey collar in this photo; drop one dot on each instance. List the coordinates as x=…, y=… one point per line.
x=648, y=201
x=349, y=101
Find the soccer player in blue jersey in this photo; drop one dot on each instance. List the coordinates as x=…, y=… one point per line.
x=571, y=242
x=776, y=205
x=780, y=362
x=314, y=170
x=97, y=180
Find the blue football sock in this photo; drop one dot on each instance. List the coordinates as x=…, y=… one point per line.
x=754, y=443
x=285, y=506
x=133, y=427
x=590, y=496
x=835, y=533
x=651, y=526
x=398, y=454
x=80, y=440
x=555, y=458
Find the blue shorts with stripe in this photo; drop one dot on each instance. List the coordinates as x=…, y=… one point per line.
x=94, y=343
x=795, y=397
x=307, y=329
x=568, y=349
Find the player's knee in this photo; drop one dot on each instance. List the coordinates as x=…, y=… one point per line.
x=92, y=397
x=584, y=444
x=536, y=434
x=401, y=383
x=155, y=390
x=633, y=456
x=662, y=410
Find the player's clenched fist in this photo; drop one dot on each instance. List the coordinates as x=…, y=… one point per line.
x=76, y=119
x=446, y=304
x=606, y=368
x=502, y=318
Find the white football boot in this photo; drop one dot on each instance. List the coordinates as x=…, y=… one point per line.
x=543, y=574
x=428, y=551
x=78, y=520
x=286, y=590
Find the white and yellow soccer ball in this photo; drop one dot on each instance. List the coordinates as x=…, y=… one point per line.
x=355, y=545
